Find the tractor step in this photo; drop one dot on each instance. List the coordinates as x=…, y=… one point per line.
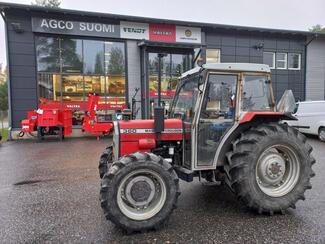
x=184, y=174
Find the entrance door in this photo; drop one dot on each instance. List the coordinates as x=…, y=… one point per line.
x=217, y=115
x=173, y=65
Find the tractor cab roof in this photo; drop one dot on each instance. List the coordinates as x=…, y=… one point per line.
x=243, y=67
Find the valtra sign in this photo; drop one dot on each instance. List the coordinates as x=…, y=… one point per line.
x=162, y=33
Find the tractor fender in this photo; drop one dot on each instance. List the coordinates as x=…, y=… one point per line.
x=246, y=121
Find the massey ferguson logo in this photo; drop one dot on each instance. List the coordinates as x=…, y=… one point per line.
x=188, y=33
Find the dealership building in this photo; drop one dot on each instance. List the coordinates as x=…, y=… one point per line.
x=59, y=55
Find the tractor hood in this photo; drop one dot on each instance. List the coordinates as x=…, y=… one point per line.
x=139, y=135
x=132, y=130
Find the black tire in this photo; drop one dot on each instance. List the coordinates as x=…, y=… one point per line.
x=105, y=161
x=321, y=133
x=118, y=173
x=61, y=133
x=40, y=134
x=247, y=153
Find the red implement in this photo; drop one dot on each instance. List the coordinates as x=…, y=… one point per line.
x=91, y=123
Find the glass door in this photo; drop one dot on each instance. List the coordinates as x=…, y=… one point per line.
x=217, y=115
x=173, y=65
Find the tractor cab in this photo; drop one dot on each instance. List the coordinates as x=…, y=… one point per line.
x=212, y=100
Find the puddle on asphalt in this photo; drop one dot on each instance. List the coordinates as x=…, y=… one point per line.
x=28, y=182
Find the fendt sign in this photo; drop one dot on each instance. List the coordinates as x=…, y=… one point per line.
x=126, y=30
x=69, y=27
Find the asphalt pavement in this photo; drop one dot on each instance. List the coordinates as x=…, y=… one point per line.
x=49, y=194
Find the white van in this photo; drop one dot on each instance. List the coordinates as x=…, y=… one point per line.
x=311, y=118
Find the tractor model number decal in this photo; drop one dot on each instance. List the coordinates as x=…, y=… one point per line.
x=149, y=131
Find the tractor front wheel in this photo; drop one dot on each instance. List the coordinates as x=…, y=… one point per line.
x=139, y=192
x=105, y=161
x=270, y=167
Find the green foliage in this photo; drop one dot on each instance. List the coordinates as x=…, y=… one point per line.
x=99, y=64
x=317, y=28
x=4, y=134
x=116, y=61
x=3, y=96
x=47, y=3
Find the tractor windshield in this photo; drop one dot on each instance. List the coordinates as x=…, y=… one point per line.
x=185, y=97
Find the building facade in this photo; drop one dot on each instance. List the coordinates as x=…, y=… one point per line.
x=58, y=55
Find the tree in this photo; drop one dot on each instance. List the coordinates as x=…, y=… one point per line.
x=3, y=98
x=47, y=3
x=99, y=64
x=116, y=62
x=317, y=28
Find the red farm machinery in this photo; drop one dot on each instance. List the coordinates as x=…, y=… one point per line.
x=55, y=118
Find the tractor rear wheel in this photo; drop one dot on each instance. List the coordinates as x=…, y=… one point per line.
x=139, y=192
x=270, y=167
x=105, y=161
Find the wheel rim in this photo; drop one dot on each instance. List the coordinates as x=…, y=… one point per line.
x=277, y=170
x=141, y=194
x=322, y=135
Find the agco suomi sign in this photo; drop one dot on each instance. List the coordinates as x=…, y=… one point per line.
x=127, y=30
x=68, y=27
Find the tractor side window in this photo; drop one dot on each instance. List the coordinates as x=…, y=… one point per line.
x=256, y=94
x=221, y=97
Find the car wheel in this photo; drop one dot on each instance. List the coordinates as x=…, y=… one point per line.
x=321, y=134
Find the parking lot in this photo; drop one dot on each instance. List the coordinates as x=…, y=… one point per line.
x=49, y=193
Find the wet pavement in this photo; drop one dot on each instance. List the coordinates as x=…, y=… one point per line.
x=49, y=194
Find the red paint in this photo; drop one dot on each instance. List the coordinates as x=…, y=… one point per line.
x=162, y=32
x=147, y=143
x=131, y=142
x=250, y=115
x=90, y=123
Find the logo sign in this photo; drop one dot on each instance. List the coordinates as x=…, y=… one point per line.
x=133, y=30
x=58, y=26
x=188, y=34
x=162, y=32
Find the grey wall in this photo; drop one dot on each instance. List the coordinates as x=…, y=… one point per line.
x=134, y=72
x=239, y=47
x=315, y=70
x=22, y=67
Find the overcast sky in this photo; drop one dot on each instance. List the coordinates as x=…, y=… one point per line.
x=280, y=14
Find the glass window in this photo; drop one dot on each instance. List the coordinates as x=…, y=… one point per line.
x=49, y=86
x=269, y=59
x=114, y=58
x=48, y=54
x=71, y=55
x=256, y=93
x=185, y=98
x=72, y=88
x=220, y=97
x=213, y=56
x=93, y=57
x=294, y=61
x=281, y=60
x=69, y=69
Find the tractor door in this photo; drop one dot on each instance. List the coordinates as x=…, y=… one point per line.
x=217, y=115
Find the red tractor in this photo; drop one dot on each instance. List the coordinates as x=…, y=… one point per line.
x=222, y=127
